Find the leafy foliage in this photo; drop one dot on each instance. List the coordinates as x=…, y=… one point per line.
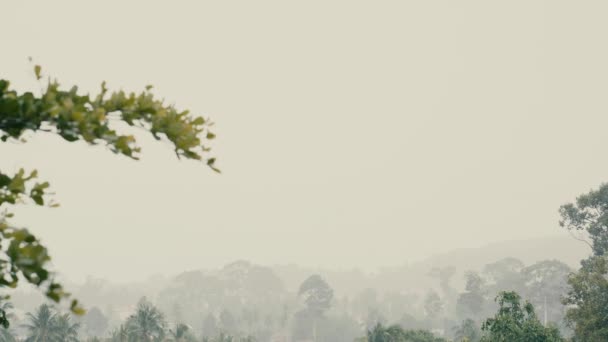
x=24, y=254
x=589, y=214
x=588, y=300
x=50, y=326
x=587, y=297
x=76, y=116
x=395, y=333
x=517, y=322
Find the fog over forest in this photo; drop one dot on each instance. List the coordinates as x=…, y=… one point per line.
x=252, y=295
x=325, y=171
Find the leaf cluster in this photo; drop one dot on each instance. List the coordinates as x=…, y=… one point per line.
x=587, y=299
x=76, y=116
x=516, y=321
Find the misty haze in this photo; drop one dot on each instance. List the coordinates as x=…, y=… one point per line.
x=319, y=171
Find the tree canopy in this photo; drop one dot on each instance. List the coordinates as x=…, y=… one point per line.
x=587, y=299
x=317, y=294
x=587, y=296
x=589, y=214
x=395, y=333
x=516, y=321
x=471, y=302
x=48, y=325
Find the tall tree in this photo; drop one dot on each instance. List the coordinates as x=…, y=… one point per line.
x=587, y=297
x=317, y=296
x=76, y=116
x=41, y=324
x=64, y=329
x=471, y=303
x=546, y=283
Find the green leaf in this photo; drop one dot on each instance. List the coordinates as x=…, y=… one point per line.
x=198, y=121
x=37, y=70
x=76, y=308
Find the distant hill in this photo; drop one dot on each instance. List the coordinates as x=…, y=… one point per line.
x=413, y=277
x=563, y=248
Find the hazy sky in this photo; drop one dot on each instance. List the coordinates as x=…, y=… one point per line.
x=350, y=133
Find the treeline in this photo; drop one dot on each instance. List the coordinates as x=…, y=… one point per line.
x=241, y=304
x=506, y=300
x=514, y=321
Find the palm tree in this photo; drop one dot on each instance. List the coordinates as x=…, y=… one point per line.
x=147, y=324
x=64, y=330
x=6, y=336
x=120, y=335
x=41, y=324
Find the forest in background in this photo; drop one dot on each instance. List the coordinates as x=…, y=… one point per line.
x=443, y=294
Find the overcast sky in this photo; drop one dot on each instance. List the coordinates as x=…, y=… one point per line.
x=350, y=133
